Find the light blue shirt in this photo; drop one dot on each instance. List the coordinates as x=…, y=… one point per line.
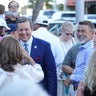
x=29, y=43
x=81, y=60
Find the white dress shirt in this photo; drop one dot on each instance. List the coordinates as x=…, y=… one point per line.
x=29, y=43
x=34, y=73
x=57, y=51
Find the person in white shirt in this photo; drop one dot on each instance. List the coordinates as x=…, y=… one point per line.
x=66, y=38
x=11, y=67
x=66, y=41
x=41, y=32
x=22, y=88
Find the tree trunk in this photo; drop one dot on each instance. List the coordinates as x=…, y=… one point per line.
x=36, y=9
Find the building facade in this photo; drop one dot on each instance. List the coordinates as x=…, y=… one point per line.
x=90, y=6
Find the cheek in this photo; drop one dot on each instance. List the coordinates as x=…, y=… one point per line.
x=63, y=35
x=66, y=37
x=77, y=35
x=11, y=9
x=19, y=33
x=91, y=36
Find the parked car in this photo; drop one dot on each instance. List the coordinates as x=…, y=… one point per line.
x=28, y=16
x=65, y=15
x=90, y=17
x=47, y=13
x=54, y=27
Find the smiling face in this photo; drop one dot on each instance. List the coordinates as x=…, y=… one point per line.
x=84, y=34
x=24, y=31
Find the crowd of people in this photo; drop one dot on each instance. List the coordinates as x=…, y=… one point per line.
x=34, y=62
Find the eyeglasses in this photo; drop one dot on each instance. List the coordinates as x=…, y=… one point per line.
x=13, y=6
x=68, y=34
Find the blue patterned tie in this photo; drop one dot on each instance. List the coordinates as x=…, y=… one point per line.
x=26, y=47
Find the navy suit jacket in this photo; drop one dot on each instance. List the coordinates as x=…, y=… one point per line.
x=42, y=54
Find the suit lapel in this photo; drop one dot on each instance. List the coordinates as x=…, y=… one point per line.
x=34, y=48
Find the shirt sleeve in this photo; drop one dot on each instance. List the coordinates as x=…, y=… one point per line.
x=34, y=72
x=68, y=57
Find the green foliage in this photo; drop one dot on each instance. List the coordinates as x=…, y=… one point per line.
x=48, y=6
x=46, y=3
x=60, y=7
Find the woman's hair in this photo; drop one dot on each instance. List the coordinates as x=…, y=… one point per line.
x=90, y=72
x=10, y=53
x=67, y=26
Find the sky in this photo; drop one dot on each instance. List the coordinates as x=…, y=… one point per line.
x=60, y=1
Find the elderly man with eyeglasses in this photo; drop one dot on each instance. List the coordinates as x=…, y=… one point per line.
x=85, y=34
x=13, y=7
x=67, y=41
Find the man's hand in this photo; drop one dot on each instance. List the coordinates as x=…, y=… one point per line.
x=67, y=81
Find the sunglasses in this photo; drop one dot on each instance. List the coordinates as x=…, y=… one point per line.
x=68, y=34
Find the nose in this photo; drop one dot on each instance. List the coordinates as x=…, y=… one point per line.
x=79, y=33
x=23, y=32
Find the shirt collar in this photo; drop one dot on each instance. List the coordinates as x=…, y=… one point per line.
x=29, y=42
x=89, y=43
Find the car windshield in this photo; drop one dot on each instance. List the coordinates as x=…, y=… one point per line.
x=54, y=28
x=49, y=13
x=68, y=15
x=92, y=17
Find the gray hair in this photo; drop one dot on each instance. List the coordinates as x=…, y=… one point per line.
x=67, y=26
x=89, y=24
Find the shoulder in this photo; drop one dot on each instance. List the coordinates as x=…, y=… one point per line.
x=8, y=19
x=53, y=36
x=40, y=41
x=75, y=47
x=73, y=51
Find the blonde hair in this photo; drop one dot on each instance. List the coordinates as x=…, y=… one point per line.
x=67, y=26
x=90, y=72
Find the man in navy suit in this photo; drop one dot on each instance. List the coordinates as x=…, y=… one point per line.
x=41, y=52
